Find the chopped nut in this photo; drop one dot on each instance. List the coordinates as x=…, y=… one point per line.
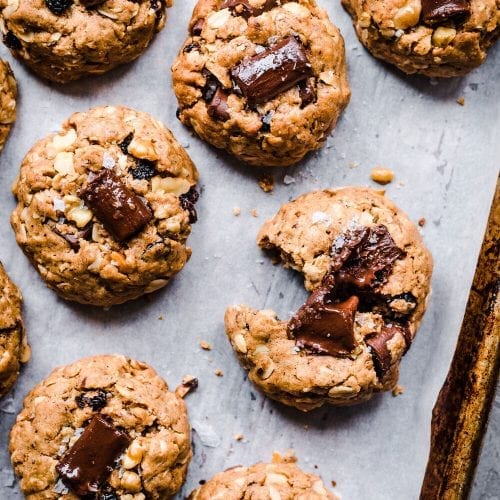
x=63, y=163
x=80, y=216
x=131, y=481
x=236, y=211
x=365, y=20
x=421, y=222
x=143, y=149
x=219, y=372
x=240, y=343
x=175, y=185
x=205, y=345
x=133, y=455
x=64, y=142
x=382, y=175
x=461, y=101
x=398, y=390
x=254, y=212
x=155, y=285
x=266, y=183
x=408, y=15
x=443, y=36
x=189, y=384
x=218, y=19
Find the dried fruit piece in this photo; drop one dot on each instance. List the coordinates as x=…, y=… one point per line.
x=58, y=6
x=126, y=143
x=144, y=169
x=188, y=201
x=11, y=41
x=87, y=464
x=96, y=401
x=120, y=210
x=273, y=71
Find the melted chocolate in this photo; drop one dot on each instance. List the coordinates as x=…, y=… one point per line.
x=307, y=92
x=87, y=464
x=436, y=11
x=120, y=210
x=363, y=258
x=244, y=9
x=325, y=327
x=276, y=69
x=378, y=346
x=218, y=108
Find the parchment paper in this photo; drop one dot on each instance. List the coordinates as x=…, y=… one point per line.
x=446, y=159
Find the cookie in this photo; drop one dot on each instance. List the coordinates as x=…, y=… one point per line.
x=369, y=273
x=262, y=481
x=106, y=427
x=64, y=40
x=105, y=206
x=14, y=349
x=437, y=38
x=8, y=94
x=263, y=79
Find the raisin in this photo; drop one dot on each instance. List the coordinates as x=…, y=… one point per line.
x=58, y=6
x=11, y=41
x=178, y=113
x=126, y=143
x=96, y=402
x=191, y=46
x=144, y=169
x=187, y=203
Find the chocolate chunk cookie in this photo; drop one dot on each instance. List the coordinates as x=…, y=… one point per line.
x=14, y=349
x=284, y=481
x=369, y=273
x=104, y=427
x=105, y=206
x=438, y=38
x=8, y=94
x=263, y=79
x=63, y=40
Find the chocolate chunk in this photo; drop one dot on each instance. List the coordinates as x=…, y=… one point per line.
x=363, y=257
x=73, y=240
x=197, y=27
x=211, y=86
x=120, y=210
x=266, y=121
x=378, y=346
x=144, y=169
x=307, y=92
x=91, y=3
x=325, y=327
x=244, y=9
x=218, y=108
x=276, y=69
x=87, y=464
x=126, y=143
x=96, y=401
x=435, y=11
x=187, y=203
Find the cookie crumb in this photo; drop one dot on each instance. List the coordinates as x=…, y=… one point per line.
x=205, y=345
x=421, y=222
x=239, y=437
x=353, y=164
x=254, y=212
x=382, y=175
x=160, y=318
x=461, y=101
x=334, y=483
x=189, y=384
x=219, y=372
x=288, y=179
x=398, y=390
x=266, y=183
x=288, y=458
x=236, y=211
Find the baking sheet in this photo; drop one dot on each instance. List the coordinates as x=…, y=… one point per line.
x=445, y=157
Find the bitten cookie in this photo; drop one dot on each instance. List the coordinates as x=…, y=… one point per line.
x=105, y=206
x=437, y=38
x=8, y=94
x=264, y=79
x=284, y=481
x=369, y=273
x=63, y=40
x=103, y=427
x=14, y=349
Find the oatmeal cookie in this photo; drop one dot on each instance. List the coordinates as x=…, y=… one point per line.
x=437, y=38
x=369, y=273
x=264, y=79
x=63, y=40
x=14, y=349
x=8, y=94
x=105, y=206
x=263, y=481
x=102, y=427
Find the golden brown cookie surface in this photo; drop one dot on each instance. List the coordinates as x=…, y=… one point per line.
x=370, y=275
x=265, y=80
x=14, y=349
x=143, y=437
x=63, y=40
x=437, y=38
x=8, y=94
x=105, y=206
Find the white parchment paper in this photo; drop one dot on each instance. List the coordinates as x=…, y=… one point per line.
x=446, y=160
